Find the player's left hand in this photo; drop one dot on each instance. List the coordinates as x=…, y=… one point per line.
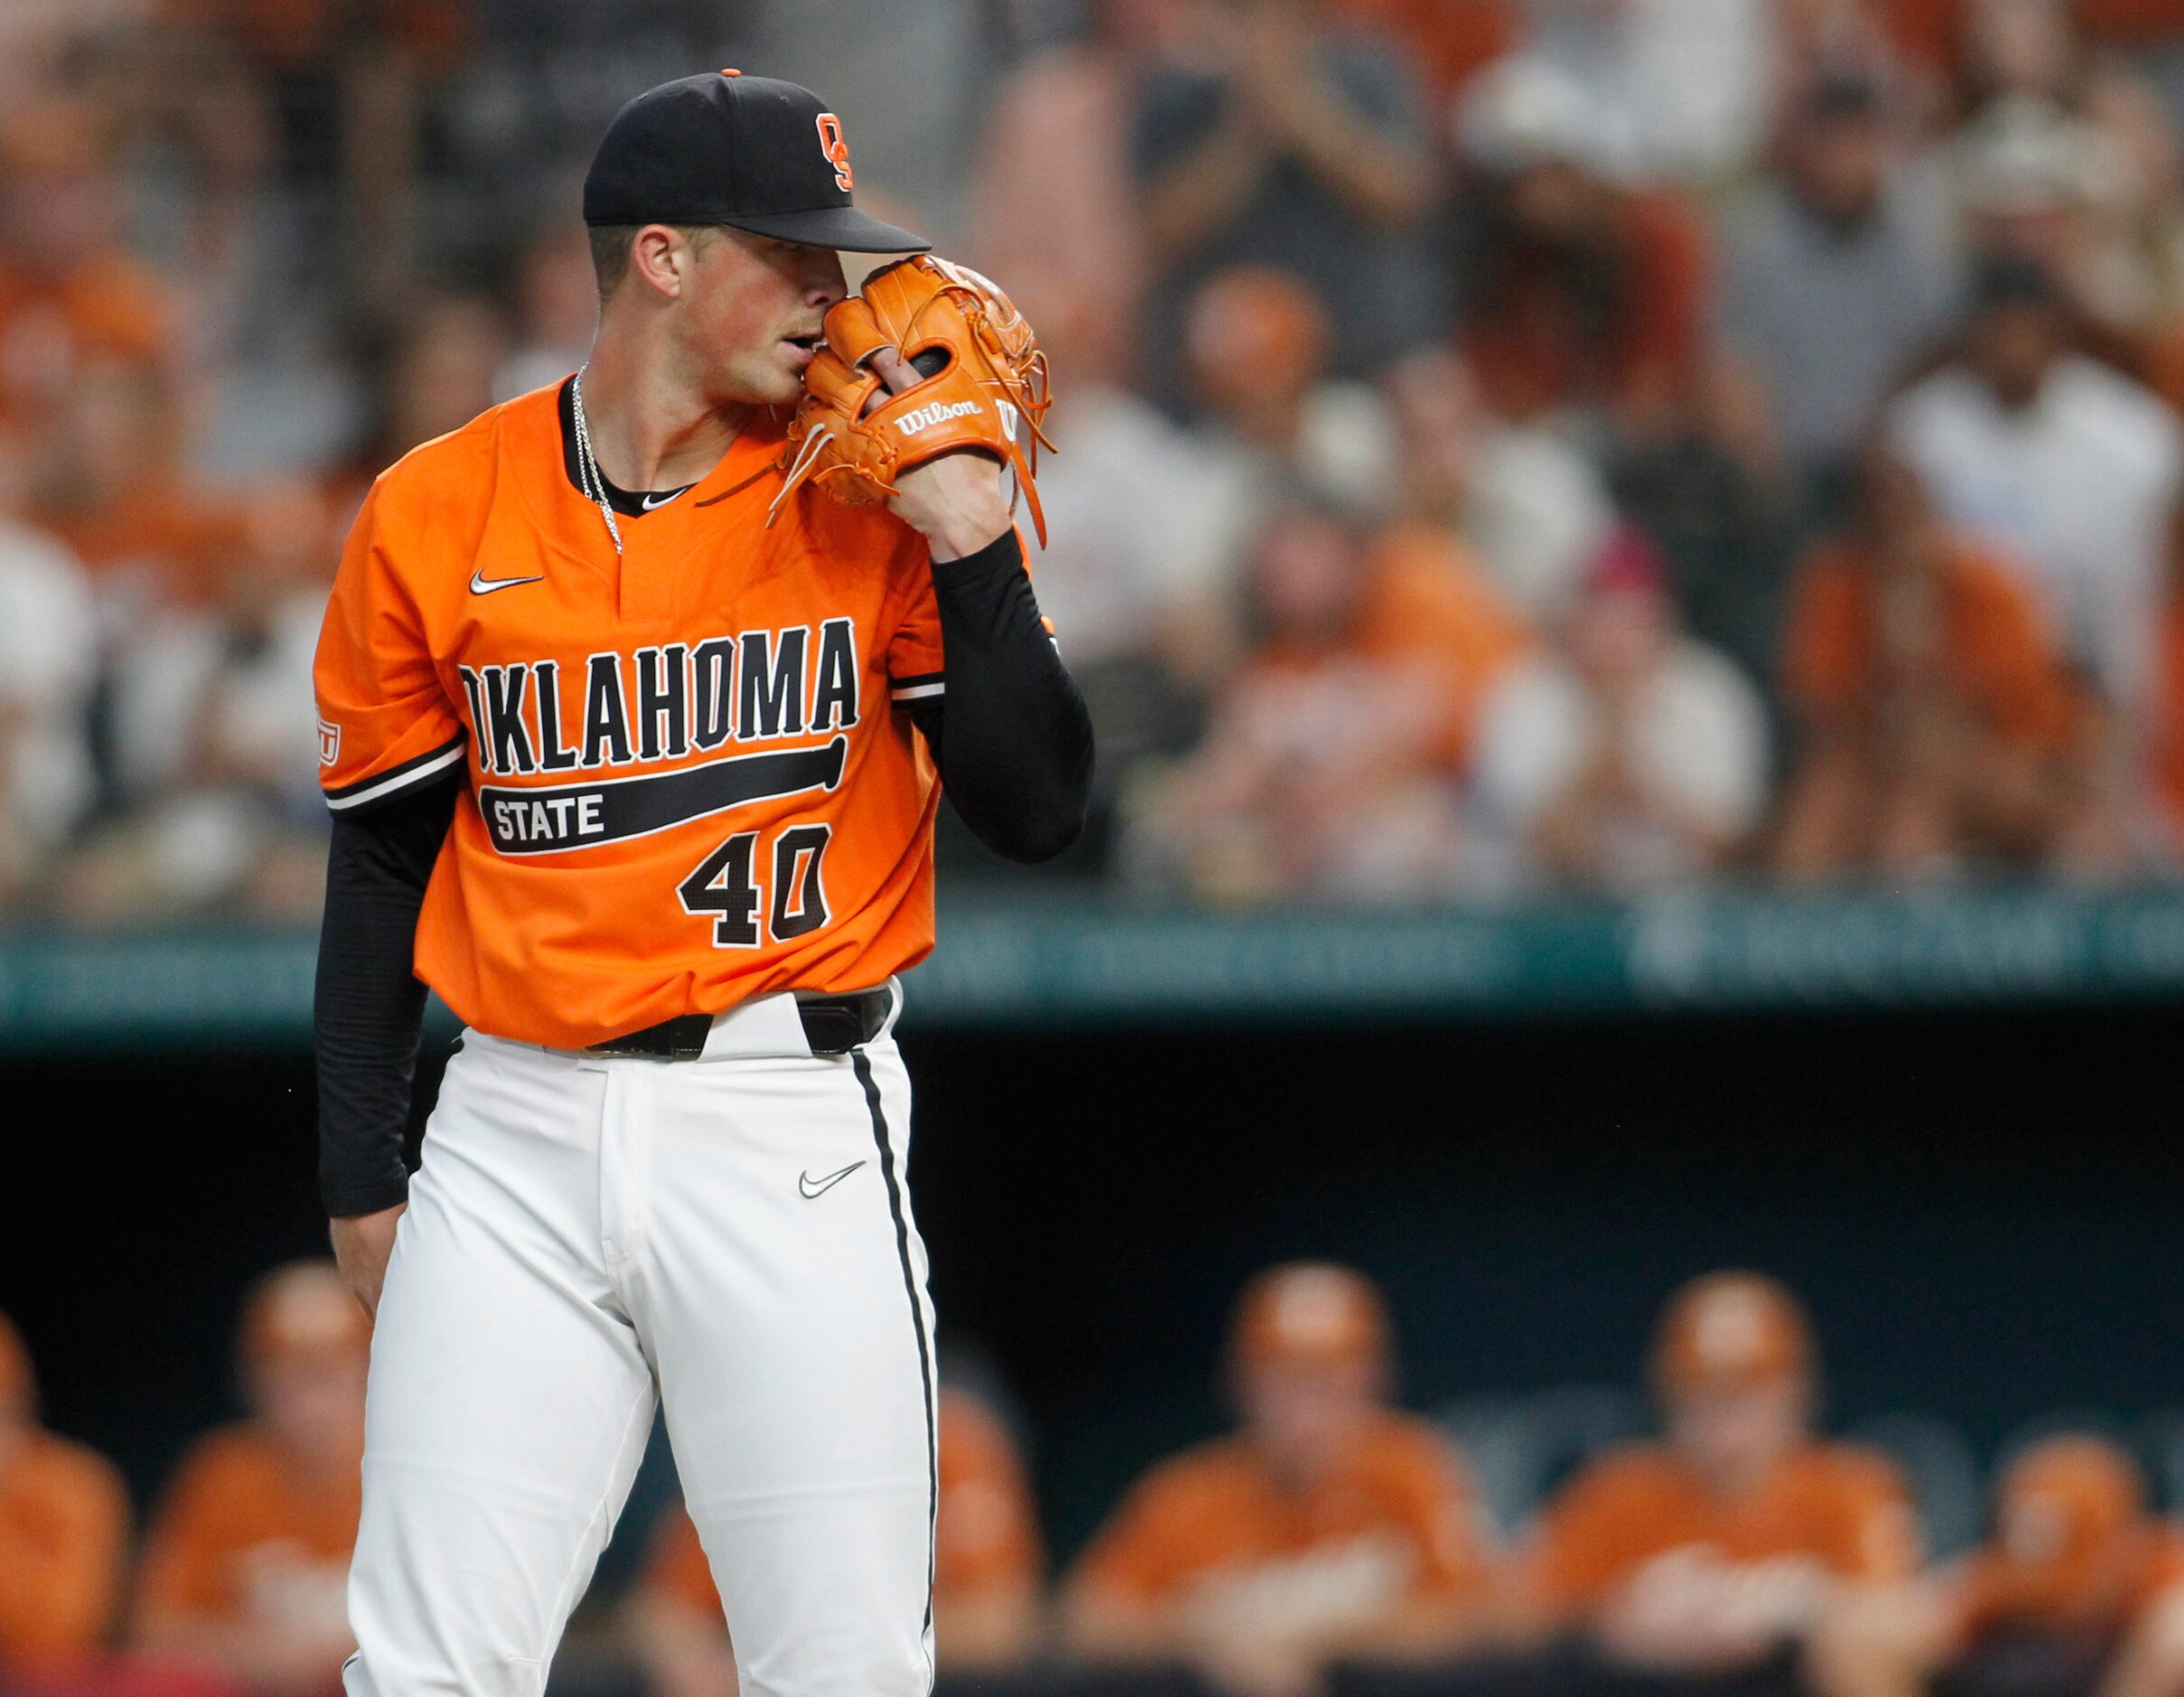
x=954, y=501
x=363, y=1243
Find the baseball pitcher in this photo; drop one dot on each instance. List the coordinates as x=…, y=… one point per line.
x=636, y=695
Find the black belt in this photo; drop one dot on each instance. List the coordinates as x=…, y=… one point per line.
x=833, y=1025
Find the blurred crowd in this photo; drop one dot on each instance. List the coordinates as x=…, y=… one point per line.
x=1330, y=1545
x=1506, y=445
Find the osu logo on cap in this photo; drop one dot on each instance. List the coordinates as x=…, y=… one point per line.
x=835, y=147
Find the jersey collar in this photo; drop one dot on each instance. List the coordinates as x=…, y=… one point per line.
x=754, y=449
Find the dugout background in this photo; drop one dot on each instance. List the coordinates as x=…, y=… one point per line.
x=1980, y=1206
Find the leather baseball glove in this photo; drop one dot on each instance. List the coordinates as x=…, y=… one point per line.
x=985, y=387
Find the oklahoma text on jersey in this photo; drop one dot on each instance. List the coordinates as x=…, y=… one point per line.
x=659, y=704
x=697, y=714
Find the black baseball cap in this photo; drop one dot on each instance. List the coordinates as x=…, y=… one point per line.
x=753, y=152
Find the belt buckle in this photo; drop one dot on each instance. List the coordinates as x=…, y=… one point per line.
x=837, y=1023
x=831, y=1027
x=680, y=1038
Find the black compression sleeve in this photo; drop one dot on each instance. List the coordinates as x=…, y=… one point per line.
x=1011, y=737
x=369, y=1006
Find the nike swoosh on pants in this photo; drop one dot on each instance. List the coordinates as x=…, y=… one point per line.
x=814, y=1187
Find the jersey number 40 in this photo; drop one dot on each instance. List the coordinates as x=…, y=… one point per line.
x=724, y=885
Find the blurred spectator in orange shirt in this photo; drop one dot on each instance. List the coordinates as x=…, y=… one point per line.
x=245, y=1568
x=1271, y=133
x=1939, y=725
x=1623, y=755
x=1330, y=762
x=1329, y=1528
x=1429, y=593
x=985, y=1572
x=64, y=1533
x=70, y=295
x=1579, y=293
x=1718, y=1550
x=2080, y=1588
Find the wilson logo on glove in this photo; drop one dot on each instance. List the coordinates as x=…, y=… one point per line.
x=854, y=439
x=911, y=423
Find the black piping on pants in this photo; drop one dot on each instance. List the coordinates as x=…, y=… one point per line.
x=917, y=1311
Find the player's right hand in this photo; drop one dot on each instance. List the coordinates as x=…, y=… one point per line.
x=361, y=1245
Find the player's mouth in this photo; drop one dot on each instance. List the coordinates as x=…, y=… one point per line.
x=804, y=349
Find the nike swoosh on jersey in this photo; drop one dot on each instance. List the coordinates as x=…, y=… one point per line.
x=652, y=501
x=816, y=1187
x=481, y=585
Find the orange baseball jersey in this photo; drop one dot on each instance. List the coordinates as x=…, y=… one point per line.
x=241, y=1531
x=1640, y=1516
x=2075, y=1548
x=1995, y=1589
x=690, y=783
x=986, y=1535
x=64, y=1531
x=1212, y=1529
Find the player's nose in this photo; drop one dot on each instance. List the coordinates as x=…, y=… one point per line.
x=824, y=283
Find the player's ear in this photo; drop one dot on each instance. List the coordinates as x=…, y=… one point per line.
x=661, y=257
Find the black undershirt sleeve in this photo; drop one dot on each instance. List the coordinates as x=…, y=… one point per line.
x=1011, y=736
x=369, y=1006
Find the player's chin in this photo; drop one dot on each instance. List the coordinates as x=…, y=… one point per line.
x=781, y=377
x=773, y=378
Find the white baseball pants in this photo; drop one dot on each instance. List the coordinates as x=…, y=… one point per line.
x=730, y=1237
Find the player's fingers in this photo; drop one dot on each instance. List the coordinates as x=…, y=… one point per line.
x=894, y=371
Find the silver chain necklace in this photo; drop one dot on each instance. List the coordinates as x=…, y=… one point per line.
x=588, y=464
